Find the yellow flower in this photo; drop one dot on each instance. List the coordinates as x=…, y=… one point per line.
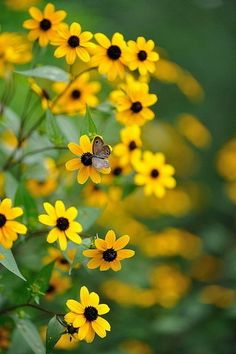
x=218, y=295
x=43, y=25
x=109, y=252
x=86, y=315
x=57, y=285
x=62, y=221
x=61, y=262
x=81, y=93
x=14, y=49
x=110, y=55
x=41, y=188
x=20, y=5
x=132, y=101
x=9, y=228
x=226, y=162
x=83, y=162
x=73, y=43
x=140, y=55
x=128, y=149
x=94, y=195
x=42, y=93
x=154, y=174
x=117, y=170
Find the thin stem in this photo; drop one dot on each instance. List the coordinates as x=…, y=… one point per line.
x=38, y=151
x=12, y=308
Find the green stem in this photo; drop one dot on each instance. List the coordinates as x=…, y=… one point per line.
x=12, y=308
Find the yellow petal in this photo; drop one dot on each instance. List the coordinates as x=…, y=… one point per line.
x=14, y=213
x=94, y=263
x=71, y=213
x=102, y=309
x=122, y=254
x=93, y=299
x=116, y=265
x=47, y=220
x=73, y=236
x=121, y=242
x=62, y=241
x=75, y=29
x=83, y=331
x=110, y=238
x=98, y=329
x=75, y=226
x=83, y=54
x=70, y=317
x=17, y=227
x=79, y=321
x=90, y=335
x=36, y=13
x=85, y=143
x=53, y=235
x=91, y=253
x=95, y=176
x=75, y=149
x=84, y=296
x=103, y=323
x=102, y=40
x=73, y=164
x=60, y=208
x=75, y=306
x=100, y=244
x=83, y=175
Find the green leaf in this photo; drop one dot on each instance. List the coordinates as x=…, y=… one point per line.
x=39, y=285
x=53, y=131
x=54, y=332
x=24, y=199
x=10, y=263
x=15, y=348
x=11, y=185
x=87, y=216
x=48, y=72
x=88, y=127
x=79, y=257
x=128, y=189
x=31, y=335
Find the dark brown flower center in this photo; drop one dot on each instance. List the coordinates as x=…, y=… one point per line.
x=45, y=24
x=62, y=223
x=75, y=94
x=114, y=52
x=142, y=55
x=45, y=94
x=117, y=171
x=90, y=313
x=86, y=159
x=3, y=220
x=63, y=261
x=136, y=107
x=50, y=289
x=154, y=173
x=132, y=145
x=109, y=255
x=73, y=41
x=71, y=330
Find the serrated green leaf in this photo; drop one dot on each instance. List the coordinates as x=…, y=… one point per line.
x=53, y=131
x=31, y=335
x=24, y=199
x=9, y=262
x=88, y=126
x=54, y=332
x=48, y=72
x=87, y=216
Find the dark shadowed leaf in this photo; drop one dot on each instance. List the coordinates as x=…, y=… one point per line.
x=54, y=332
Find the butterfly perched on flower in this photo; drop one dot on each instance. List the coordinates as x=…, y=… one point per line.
x=101, y=152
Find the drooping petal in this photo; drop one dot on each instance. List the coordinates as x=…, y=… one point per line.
x=98, y=329
x=73, y=236
x=53, y=235
x=83, y=331
x=83, y=175
x=116, y=265
x=62, y=241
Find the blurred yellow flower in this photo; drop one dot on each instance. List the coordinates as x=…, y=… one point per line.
x=86, y=315
x=194, y=130
x=109, y=252
x=62, y=221
x=58, y=284
x=9, y=139
x=9, y=229
x=140, y=55
x=226, y=160
x=128, y=149
x=109, y=55
x=43, y=25
x=132, y=101
x=14, y=49
x=62, y=261
x=206, y=267
x=218, y=295
x=20, y=5
x=83, y=162
x=72, y=43
x=136, y=347
x=80, y=94
x=42, y=93
x=94, y=195
x=154, y=174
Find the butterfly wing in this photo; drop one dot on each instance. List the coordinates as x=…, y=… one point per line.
x=99, y=149
x=99, y=163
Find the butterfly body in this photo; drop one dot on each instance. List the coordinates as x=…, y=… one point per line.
x=101, y=152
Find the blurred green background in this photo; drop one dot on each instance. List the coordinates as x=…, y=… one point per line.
x=198, y=35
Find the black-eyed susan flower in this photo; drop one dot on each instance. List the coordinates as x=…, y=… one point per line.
x=129, y=147
x=109, y=252
x=132, y=102
x=62, y=221
x=140, y=55
x=154, y=174
x=62, y=261
x=86, y=315
x=73, y=43
x=109, y=55
x=94, y=195
x=41, y=92
x=81, y=93
x=9, y=229
x=43, y=25
x=14, y=49
x=83, y=162
x=58, y=284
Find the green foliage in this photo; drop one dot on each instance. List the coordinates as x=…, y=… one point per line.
x=30, y=334
x=88, y=126
x=53, y=131
x=27, y=202
x=9, y=262
x=87, y=216
x=54, y=332
x=48, y=72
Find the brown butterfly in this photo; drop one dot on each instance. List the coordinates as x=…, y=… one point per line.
x=101, y=152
